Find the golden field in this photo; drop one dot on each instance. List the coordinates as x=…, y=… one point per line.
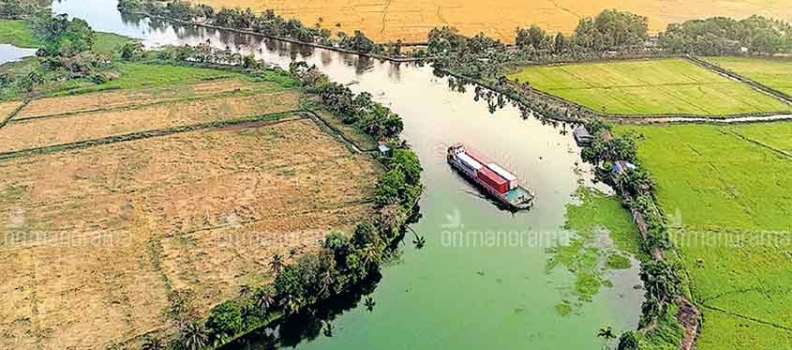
x=409, y=20
x=94, y=240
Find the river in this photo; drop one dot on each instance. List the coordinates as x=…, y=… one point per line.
x=478, y=293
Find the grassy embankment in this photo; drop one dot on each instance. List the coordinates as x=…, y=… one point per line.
x=646, y=88
x=775, y=73
x=18, y=33
x=725, y=191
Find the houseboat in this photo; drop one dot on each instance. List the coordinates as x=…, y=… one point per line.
x=496, y=181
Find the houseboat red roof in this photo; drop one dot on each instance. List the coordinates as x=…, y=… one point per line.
x=493, y=180
x=491, y=175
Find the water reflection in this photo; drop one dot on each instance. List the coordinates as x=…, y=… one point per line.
x=309, y=324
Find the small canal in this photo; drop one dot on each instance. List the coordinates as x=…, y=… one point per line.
x=481, y=281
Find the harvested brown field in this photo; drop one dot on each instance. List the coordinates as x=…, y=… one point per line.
x=6, y=108
x=57, y=130
x=95, y=239
x=110, y=230
x=126, y=98
x=389, y=20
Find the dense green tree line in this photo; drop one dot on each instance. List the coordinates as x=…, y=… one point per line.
x=610, y=30
x=480, y=57
x=358, y=110
x=724, y=36
x=613, y=30
x=612, y=33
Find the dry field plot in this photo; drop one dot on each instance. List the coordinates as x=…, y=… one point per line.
x=126, y=98
x=92, y=240
x=6, y=108
x=388, y=20
x=57, y=130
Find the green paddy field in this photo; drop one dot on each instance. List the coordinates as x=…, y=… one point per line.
x=775, y=73
x=649, y=87
x=727, y=193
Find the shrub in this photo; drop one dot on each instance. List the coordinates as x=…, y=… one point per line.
x=407, y=162
x=365, y=235
x=226, y=319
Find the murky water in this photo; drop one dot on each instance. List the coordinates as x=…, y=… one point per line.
x=480, y=282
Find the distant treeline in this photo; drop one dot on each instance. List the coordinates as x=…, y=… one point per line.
x=266, y=23
x=611, y=34
x=613, y=30
x=16, y=9
x=610, y=30
x=724, y=36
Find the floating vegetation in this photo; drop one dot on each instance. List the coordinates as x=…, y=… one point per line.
x=604, y=238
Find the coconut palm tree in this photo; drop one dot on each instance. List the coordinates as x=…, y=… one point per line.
x=245, y=290
x=607, y=336
x=151, y=343
x=370, y=256
x=264, y=298
x=328, y=330
x=369, y=303
x=326, y=282
x=291, y=304
x=419, y=242
x=606, y=333
x=276, y=265
x=194, y=336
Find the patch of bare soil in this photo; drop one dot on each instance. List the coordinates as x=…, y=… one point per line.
x=689, y=317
